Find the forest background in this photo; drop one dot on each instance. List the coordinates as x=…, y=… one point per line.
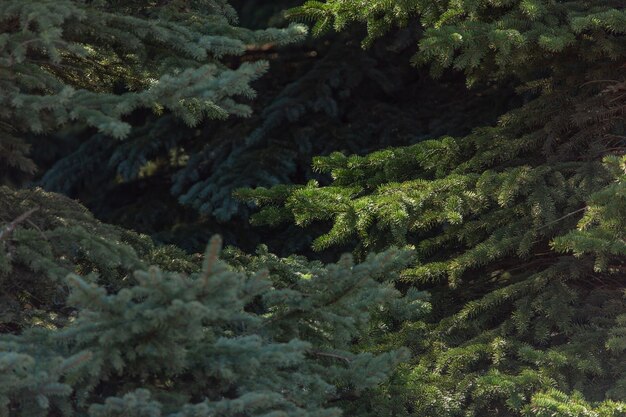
x=469, y=154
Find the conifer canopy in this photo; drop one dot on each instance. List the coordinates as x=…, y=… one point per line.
x=423, y=204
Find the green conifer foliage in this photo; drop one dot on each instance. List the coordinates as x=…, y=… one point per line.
x=556, y=403
x=518, y=227
x=323, y=95
x=176, y=340
x=94, y=62
x=223, y=341
x=45, y=236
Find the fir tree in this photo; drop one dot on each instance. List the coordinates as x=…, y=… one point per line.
x=518, y=227
x=96, y=62
x=222, y=341
x=44, y=237
x=323, y=95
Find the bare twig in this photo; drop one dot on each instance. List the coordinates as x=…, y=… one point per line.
x=599, y=81
x=330, y=355
x=41, y=233
x=7, y=230
x=563, y=217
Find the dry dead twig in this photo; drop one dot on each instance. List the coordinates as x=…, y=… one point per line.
x=8, y=229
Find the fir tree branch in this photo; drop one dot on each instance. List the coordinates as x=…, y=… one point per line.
x=562, y=218
x=41, y=233
x=4, y=233
x=330, y=355
x=599, y=81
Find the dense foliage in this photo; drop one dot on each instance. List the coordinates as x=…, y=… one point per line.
x=518, y=227
x=483, y=138
x=322, y=96
x=218, y=342
x=93, y=62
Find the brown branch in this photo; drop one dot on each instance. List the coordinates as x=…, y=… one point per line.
x=4, y=233
x=562, y=218
x=599, y=81
x=41, y=233
x=330, y=355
